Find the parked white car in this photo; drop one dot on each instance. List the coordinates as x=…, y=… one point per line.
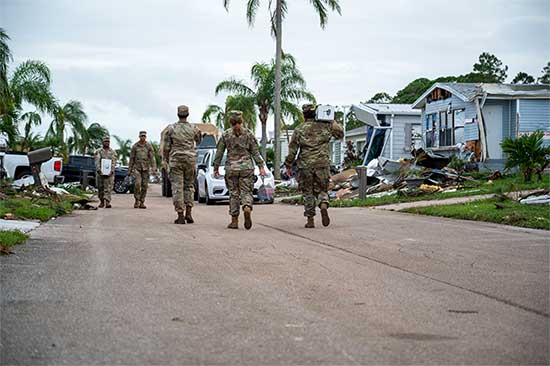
x=17, y=166
x=212, y=189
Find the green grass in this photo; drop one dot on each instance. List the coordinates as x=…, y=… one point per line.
x=512, y=213
x=12, y=237
x=506, y=184
x=28, y=208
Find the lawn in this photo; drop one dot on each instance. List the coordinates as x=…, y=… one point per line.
x=34, y=208
x=495, y=210
x=9, y=238
x=509, y=183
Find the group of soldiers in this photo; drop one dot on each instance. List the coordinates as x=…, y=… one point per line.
x=309, y=144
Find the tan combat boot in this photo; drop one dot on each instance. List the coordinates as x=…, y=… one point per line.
x=188, y=216
x=247, y=217
x=310, y=223
x=234, y=223
x=136, y=203
x=101, y=204
x=108, y=204
x=324, y=214
x=142, y=205
x=180, y=219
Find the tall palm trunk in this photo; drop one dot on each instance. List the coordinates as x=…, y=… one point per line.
x=263, y=119
x=278, y=56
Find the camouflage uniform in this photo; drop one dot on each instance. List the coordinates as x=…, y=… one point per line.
x=179, y=144
x=312, y=139
x=242, y=153
x=105, y=183
x=142, y=158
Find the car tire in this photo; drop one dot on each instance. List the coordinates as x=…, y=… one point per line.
x=120, y=187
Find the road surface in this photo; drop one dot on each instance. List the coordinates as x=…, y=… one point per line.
x=127, y=286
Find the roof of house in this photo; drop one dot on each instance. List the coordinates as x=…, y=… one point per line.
x=469, y=91
x=367, y=112
x=357, y=131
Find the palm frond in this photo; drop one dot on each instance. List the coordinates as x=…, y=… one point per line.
x=234, y=86
x=251, y=10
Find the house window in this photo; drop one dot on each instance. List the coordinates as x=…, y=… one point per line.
x=431, y=130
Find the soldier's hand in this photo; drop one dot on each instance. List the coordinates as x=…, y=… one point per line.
x=262, y=172
x=216, y=172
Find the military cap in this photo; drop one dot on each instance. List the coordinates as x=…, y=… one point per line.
x=142, y=133
x=106, y=138
x=308, y=107
x=182, y=109
x=236, y=116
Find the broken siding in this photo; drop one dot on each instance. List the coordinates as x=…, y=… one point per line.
x=471, y=131
x=401, y=143
x=442, y=105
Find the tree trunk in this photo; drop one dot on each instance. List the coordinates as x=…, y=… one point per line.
x=278, y=56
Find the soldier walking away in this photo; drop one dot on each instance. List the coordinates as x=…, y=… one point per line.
x=242, y=153
x=105, y=181
x=142, y=161
x=179, y=151
x=311, y=140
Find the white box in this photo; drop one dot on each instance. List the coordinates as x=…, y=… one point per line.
x=106, y=165
x=325, y=113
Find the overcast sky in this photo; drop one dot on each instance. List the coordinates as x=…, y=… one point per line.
x=131, y=62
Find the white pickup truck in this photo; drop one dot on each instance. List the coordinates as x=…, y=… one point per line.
x=16, y=166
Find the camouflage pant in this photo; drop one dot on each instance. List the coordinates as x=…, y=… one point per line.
x=141, y=184
x=105, y=186
x=182, y=178
x=240, y=184
x=314, y=187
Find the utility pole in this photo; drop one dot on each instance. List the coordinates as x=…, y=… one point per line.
x=278, y=57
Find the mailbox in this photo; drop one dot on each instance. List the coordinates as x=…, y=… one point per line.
x=40, y=156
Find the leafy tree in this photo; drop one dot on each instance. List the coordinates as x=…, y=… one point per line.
x=412, y=91
x=381, y=97
x=30, y=119
x=277, y=14
x=490, y=66
x=29, y=83
x=124, y=149
x=156, y=148
x=70, y=115
x=523, y=78
x=527, y=153
x=545, y=78
x=262, y=94
x=351, y=120
x=90, y=139
x=217, y=112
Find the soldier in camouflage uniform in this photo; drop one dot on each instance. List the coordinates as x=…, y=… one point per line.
x=105, y=183
x=142, y=160
x=312, y=139
x=179, y=152
x=242, y=153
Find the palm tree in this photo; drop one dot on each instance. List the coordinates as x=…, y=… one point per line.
x=30, y=119
x=293, y=90
x=124, y=149
x=90, y=140
x=218, y=113
x=277, y=16
x=29, y=83
x=72, y=115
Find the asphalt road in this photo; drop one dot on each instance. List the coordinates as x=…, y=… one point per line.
x=127, y=286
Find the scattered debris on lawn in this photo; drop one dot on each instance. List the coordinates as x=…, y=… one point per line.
x=537, y=198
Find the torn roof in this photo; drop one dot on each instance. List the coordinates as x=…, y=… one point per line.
x=367, y=112
x=469, y=91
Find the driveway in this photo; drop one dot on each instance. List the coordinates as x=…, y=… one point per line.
x=126, y=286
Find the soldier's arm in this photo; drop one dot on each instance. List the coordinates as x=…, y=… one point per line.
x=152, y=158
x=97, y=161
x=337, y=130
x=293, y=147
x=198, y=136
x=132, y=158
x=255, y=152
x=220, y=149
x=167, y=145
x=113, y=164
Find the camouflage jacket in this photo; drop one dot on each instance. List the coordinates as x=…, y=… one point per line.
x=312, y=139
x=242, y=151
x=179, y=142
x=105, y=154
x=142, y=157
